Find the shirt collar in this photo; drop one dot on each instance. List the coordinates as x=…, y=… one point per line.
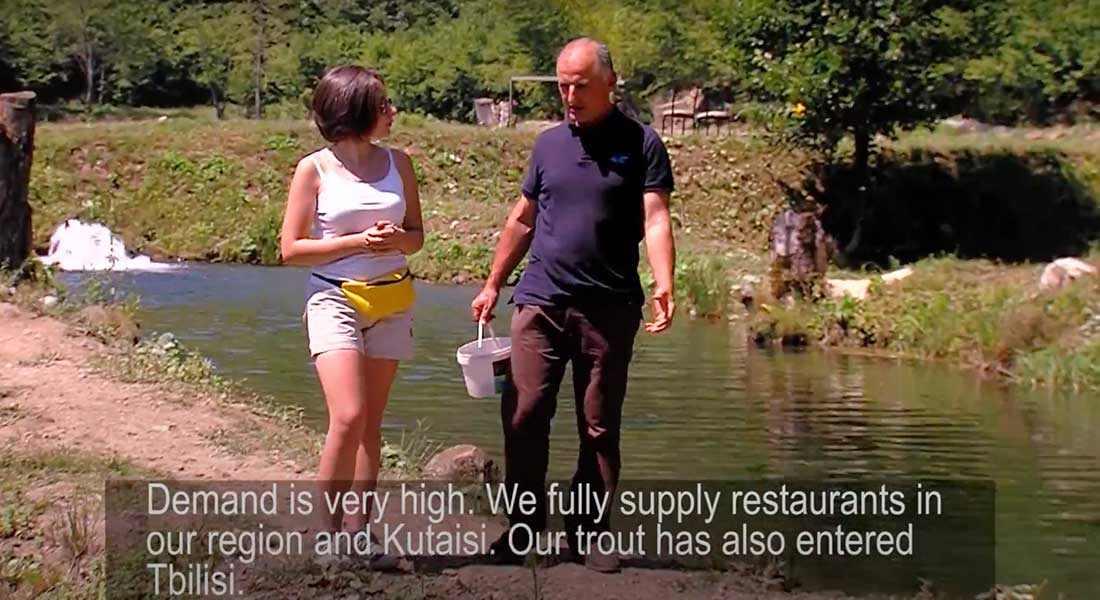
x=598, y=128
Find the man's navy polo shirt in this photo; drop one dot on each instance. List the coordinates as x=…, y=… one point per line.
x=588, y=184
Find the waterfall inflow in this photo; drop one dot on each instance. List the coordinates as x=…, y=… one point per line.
x=79, y=246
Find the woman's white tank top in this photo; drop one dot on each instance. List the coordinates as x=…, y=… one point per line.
x=345, y=206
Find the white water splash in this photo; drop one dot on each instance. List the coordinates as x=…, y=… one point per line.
x=79, y=246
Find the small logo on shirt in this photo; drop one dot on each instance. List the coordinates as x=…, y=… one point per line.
x=619, y=159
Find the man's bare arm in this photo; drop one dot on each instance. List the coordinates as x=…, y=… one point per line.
x=514, y=241
x=661, y=251
x=511, y=248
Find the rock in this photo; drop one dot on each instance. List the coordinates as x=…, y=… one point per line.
x=1062, y=271
x=464, y=462
x=856, y=288
x=896, y=276
x=49, y=302
x=111, y=319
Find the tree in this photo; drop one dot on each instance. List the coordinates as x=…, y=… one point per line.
x=79, y=31
x=388, y=16
x=8, y=76
x=857, y=68
x=270, y=29
x=1048, y=57
x=110, y=45
x=138, y=38
x=16, y=151
x=208, y=46
x=32, y=52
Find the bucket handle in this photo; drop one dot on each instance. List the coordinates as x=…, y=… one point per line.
x=481, y=325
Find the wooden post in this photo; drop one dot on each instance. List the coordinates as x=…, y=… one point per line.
x=16, y=150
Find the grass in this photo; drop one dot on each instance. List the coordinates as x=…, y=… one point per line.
x=981, y=315
x=1080, y=139
x=68, y=520
x=407, y=457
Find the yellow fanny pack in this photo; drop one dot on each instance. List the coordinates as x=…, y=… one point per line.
x=378, y=298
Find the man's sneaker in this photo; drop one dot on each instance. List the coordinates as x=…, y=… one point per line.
x=602, y=562
x=501, y=553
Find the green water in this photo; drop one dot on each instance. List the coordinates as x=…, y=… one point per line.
x=702, y=404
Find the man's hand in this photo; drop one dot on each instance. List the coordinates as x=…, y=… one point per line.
x=482, y=306
x=663, y=309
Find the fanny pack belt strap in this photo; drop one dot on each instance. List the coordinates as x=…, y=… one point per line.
x=338, y=283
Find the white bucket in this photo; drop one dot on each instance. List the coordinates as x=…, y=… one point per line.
x=485, y=363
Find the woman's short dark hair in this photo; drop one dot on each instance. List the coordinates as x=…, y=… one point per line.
x=347, y=102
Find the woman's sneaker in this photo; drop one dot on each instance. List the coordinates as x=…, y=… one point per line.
x=377, y=558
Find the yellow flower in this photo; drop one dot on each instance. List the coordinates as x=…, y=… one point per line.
x=799, y=109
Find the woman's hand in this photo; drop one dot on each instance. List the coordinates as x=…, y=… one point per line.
x=385, y=236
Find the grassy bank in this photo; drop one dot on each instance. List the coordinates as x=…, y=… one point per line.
x=980, y=315
x=214, y=191
x=193, y=188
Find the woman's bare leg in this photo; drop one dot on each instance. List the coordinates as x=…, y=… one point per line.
x=379, y=373
x=344, y=383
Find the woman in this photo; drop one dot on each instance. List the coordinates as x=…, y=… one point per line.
x=353, y=214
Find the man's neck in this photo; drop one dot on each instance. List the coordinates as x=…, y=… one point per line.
x=598, y=121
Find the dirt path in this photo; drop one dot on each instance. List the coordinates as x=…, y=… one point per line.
x=62, y=401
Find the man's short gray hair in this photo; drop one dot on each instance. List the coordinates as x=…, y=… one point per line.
x=603, y=57
x=603, y=53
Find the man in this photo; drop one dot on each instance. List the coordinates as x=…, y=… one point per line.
x=596, y=186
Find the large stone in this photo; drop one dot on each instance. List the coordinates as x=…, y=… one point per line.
x=465, y=462
x=1062, y=271
x=858, y=288
x=854, y=288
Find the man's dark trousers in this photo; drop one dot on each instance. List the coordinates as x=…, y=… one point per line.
x=599, y=341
